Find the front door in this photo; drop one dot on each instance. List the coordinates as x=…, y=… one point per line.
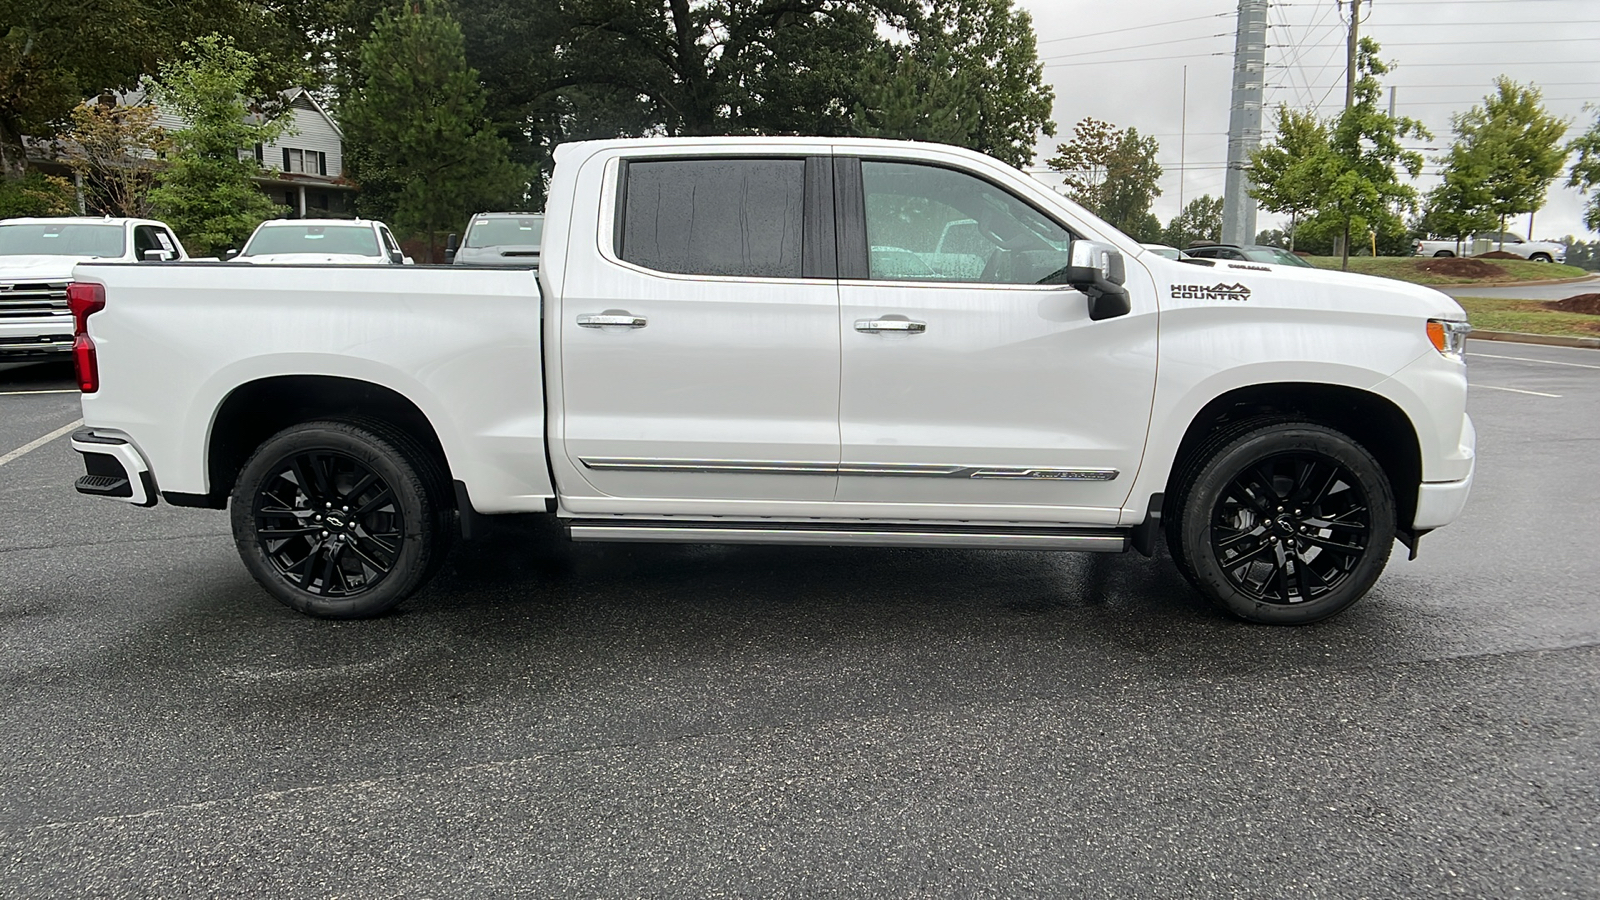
x=700, y=347
x=973, y=385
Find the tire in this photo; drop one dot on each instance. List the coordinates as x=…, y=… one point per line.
x=1443, y=253
x=1541, y=257
x=374, y=525
x=1281, y=521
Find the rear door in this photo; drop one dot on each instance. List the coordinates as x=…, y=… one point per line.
x=974, y=383
x=700, y=337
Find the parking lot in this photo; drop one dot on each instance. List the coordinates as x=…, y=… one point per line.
x=552, y=719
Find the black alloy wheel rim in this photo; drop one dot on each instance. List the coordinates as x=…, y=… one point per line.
x=1291, y=528
x=329, y=524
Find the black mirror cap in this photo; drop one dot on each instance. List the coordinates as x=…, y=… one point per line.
x=450, y=253
x=451, y=243
x=1109, y=304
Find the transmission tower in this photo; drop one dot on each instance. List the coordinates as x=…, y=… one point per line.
x=1244, y=121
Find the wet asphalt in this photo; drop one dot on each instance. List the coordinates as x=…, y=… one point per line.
x=555, y=719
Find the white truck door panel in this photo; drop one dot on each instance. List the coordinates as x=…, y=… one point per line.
x=697, y=360
x=997, y=390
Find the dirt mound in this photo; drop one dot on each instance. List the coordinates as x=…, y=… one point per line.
x=1582, y=303
x=1456, y=267
x=1497, y=254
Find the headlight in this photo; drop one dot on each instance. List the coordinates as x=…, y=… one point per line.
x=1449, y=337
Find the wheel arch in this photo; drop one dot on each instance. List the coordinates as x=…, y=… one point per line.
x=258, y=409
x=1372, y=420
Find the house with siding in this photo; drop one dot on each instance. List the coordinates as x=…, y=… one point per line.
x=303, y=169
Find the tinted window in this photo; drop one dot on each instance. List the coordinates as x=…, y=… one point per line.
x=506, y=232
x=926, y=223
x=714, y=216
x=357, y=240
x=103, y=241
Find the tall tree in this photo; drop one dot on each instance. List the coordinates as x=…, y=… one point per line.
x=207, y=191
x=1199, y=220
x=420, y=146
x=1113, y=172
x=1287, y=172
x=55, y=54
x=112, y=149
x=1585, y=173
x=1358, y=185
x=1512, y=147
x=969, y=76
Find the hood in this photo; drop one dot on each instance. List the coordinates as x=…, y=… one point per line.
x=1293, y=287
x=39, y=268
x=312, y=259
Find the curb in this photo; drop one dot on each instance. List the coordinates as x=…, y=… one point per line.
x=1478, y=285
x=1552, y=340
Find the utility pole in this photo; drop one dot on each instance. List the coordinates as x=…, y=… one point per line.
x=1244, y=121
x=1350, y=55
x=1183, y=138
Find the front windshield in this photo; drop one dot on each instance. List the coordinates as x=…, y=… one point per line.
x=506, y=232
x=352, y=240
x=95, y=241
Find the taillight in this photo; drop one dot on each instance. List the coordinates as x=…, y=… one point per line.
x=85, y=299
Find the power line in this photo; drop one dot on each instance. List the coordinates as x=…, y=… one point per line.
x=1203, y=37
x=1079, y=37
x=1107, y=62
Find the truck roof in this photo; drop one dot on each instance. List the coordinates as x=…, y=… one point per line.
x=79, y=220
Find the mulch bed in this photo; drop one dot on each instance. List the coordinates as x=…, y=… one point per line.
x=1456, y=267
x=1588, y=304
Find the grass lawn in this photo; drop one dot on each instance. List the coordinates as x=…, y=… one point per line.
x=1527, y=317
x=1410, y=268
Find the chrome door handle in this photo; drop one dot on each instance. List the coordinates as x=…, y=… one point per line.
x=891, y=326
x=608, y=320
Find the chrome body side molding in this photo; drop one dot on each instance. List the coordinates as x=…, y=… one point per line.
x=788, y=467
x=846, y=534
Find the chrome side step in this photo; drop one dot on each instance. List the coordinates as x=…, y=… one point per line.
x=976, y=537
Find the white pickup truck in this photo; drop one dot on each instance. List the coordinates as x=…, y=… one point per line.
x=1538, y=251
x=725, y=343
x=36, y=260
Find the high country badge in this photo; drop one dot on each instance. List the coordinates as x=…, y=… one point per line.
x=1215, y=292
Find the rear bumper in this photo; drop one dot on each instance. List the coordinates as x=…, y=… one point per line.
x=115, y=469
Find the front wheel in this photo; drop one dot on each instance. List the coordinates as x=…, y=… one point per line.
x=1541, y=257
x=1443, y=253
x=341, y=519
x=1283, y=523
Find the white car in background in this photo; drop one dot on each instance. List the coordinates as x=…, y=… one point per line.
x=347, y=242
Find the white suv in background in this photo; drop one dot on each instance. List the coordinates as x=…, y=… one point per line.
x=350, y=242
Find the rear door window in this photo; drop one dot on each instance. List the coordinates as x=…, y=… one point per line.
x=733, y=217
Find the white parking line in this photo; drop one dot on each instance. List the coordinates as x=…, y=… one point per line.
x=1548, y=362
x=1490, y=387
x=40, y=442
x=52, y=391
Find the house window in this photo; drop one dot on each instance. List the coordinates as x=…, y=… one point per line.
x=310, y=162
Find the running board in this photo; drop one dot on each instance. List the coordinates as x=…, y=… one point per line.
x=1106, y=540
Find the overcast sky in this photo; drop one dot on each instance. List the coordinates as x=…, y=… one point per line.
x=1124, y=62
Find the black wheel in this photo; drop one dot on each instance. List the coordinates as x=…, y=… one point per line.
x=341, y=519
x=1541, y=257
x=1283, y=523
x=1443, y=253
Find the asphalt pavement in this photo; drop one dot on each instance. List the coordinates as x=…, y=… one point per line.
x=1526, y=292
x=552, y=719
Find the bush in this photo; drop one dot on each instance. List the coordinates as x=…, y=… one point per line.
x=37, y=195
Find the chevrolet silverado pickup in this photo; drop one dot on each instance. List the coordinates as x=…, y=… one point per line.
x=1538, y=251
x=36, y=260
x=770, y=340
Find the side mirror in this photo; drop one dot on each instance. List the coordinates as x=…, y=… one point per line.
x=451, y=244
x=154, y=256
x=1097, y=270
x=230, y=254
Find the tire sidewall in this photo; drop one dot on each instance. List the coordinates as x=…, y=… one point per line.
x=383, y=459
x=1254, y=447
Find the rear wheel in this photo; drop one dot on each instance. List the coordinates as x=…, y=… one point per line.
x=341, y=519
x=1283, y=522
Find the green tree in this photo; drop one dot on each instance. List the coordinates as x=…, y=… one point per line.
x=1199, y=220
x=419, y=144
x=207, y=191
x=1457, y=206
x=54, y=54
x=1585, y=173
x=1357, y=184
x=1511, y=148
x=969, y=76
x=112, y=149
x=1287, y=172
x=1112, y=172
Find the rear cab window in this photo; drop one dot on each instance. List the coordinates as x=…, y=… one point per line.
x=737, y=217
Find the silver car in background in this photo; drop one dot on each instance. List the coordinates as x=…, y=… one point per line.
x=498, y=239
